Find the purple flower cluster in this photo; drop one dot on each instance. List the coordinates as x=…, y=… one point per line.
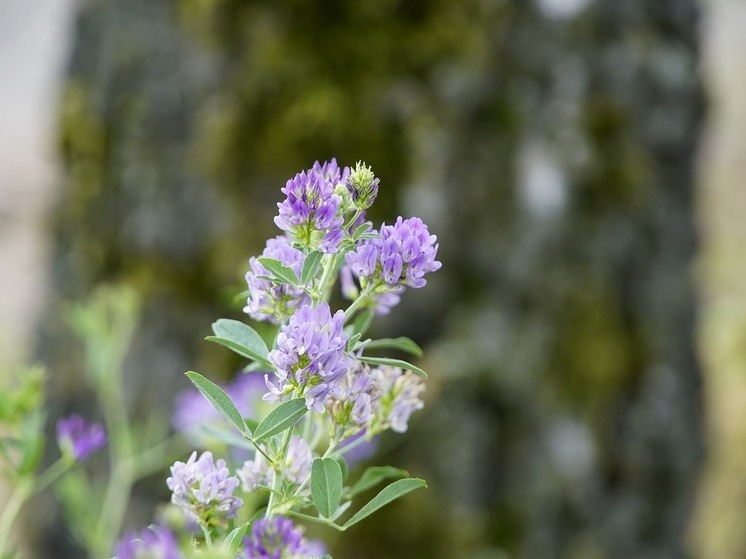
x=310, y=212
x=277, y=538
x=375, y=400
x=155, y=542
x=310, y=356
x=274, y=301
x=257, y=473
x=352, y=408
x=403, y=254
x=399, y=398
x=79, y=438
x=204, y=489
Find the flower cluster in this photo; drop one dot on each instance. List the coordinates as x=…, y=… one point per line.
x=377, y=399
x=403, y=254
x=310, y=211
x=310, y=356
x=78, y=438
x=204, y=489
x=399, y=398
x=272, y=301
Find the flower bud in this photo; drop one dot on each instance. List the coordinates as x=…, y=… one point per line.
x=363, y=186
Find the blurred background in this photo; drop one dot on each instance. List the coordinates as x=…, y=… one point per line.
x=581, y=161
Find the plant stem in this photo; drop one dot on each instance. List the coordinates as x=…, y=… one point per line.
x=122, y=472
x=277, y=479
x=50, y=475
x=359, y=301
x=13, y=506
x=206, y=532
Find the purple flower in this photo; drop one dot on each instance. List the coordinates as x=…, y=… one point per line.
x=193, y=410
x=258, y=473
x=331, y=172
x=310, y=356
x=269, y=300
x=156, y=542
x=204, y=489
x=311, y=209
x=277, y=538
x=399, y=397
x=402, y=255
x=78, y=437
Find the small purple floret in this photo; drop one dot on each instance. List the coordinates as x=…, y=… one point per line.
x=78, y=437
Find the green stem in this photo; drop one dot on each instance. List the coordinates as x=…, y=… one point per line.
x=359, y=301
x=51, y=474
x=122, y=473
x=22, y=492
x=208, y=537
x=277, y=479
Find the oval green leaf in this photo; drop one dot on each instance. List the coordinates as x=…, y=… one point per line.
x=310, y=266
x=241, y=338
x=234, y=540
x=279, y=271
x=326, y=485
x=373, y=476
x=219, y=400
x=387, y=494
x=402, y=343
x=282, y=417
x=392, y=363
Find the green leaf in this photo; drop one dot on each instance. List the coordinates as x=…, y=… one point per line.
x=282, y=417
x=241, y=338
x=326, y=485
x=402, y=343
x=361, y=229
x=219, y=400
x=310, y=266
x=32, y=430
x=392, y=363
x=352, y=341
x=280, y=272
x=233, y=541
x=373, y=476
x=362, y=323
x=343, y=465
x=387, y=494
